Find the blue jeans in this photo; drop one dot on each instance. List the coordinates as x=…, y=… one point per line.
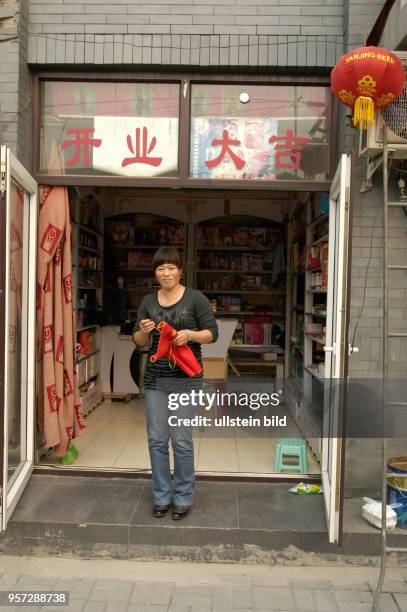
x=159, y=433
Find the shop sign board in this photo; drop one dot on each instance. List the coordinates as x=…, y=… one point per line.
x=136, y=146
x=133, y=130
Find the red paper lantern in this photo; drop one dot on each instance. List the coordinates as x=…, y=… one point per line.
x=367, y=79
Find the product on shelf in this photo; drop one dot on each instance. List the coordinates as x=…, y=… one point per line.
x=313, y=257
x=90, y=214
x=240, y=236
x=324, y=265
x=257, y=236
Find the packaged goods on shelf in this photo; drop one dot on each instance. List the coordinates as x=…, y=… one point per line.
x=119, y=231
x=313, y=257
x=257, y=236
x=324, y=264
x=238, y=336
x=255, y=263
x=321, y=230
x=138, y=259
x=240, y=236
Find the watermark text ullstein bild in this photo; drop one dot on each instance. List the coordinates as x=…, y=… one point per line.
x=207, y=401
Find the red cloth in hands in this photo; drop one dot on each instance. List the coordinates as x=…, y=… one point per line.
x=182, y=356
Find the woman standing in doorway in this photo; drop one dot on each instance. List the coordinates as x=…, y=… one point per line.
x=188, y=311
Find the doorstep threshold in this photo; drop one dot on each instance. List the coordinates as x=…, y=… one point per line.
x=61, y=470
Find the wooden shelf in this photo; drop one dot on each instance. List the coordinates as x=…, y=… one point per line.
x=147, y=246
x=84, y=357
x=89, y=230
x=235, y=271
x=318, y=220
x=319, y=339
x=314, y=269
x=322, y=239
x=85, y=248
x=245, y=291
x=235, y=248
x=118, y=270
x=246, y=312
x=254, y=346
x=91, y=270
x=311, y=370
x=318, y=315
x=316, y=290
x=299, y=348
x=85, y=327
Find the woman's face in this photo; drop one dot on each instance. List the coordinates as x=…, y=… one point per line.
x=168, y=275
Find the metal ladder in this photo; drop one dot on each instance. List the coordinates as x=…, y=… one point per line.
x=387, y=267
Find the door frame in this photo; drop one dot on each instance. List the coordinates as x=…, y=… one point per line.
x=11, y=168
x=337, y=326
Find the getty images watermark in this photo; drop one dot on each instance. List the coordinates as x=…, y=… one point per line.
x=200, y=399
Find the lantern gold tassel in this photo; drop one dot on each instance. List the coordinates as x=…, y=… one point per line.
x=363, y=114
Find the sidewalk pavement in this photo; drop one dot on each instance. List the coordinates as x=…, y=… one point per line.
x=127, y=586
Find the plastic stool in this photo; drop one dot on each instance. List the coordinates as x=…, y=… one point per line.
x=293, y=447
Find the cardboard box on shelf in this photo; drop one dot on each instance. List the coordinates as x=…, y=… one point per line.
x=215, y=368
x=214, y=356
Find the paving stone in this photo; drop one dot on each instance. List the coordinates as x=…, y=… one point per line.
x=325, y=601
x=401, y=600
x=350, y=586
x=273, y=598
x=81, y=589
x=239, y=580
x=222, y=596
x=242, y=597
x=39, y=580
x=228, y=609
x=162, y=594
x=310, y=584
x=387, y=603
x=95, y=606
x=8, y=580
x=148, y=608
x=353, y=606
x=142, y=592
x=189, y=599
x=75, y=605
x=304, y=599
x=195, y=589
x=109, y=596
x=110, y=584
x=354, y=596
x=115, y=607
x=390, y=586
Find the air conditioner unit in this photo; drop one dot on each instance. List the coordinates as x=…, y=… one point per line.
x=394, y=117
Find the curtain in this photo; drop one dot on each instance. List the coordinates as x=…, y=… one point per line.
x=59, y=410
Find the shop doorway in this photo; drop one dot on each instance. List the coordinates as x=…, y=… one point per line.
x=195, y=217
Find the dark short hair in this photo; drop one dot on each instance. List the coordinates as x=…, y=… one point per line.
x=166, y=255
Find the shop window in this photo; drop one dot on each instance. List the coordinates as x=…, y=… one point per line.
x=116, y=129
x=260, y=132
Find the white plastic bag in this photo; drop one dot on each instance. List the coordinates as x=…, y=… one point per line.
x=372, y=512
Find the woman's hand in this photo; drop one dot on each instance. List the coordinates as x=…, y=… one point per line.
x=182, y=337
x=147, y=326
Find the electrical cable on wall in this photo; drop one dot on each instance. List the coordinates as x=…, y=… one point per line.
x=367, y=272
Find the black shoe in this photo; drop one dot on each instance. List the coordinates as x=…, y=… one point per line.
x=160, y=511
x=180, y=512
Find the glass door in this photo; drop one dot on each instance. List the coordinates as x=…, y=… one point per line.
x=18, y=233
x=336, y=336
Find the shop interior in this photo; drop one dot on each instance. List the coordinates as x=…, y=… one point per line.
x=260, y=258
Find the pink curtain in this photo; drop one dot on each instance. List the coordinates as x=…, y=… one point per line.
x=59, y=410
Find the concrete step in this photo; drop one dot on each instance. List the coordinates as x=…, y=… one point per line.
x=230, y=522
